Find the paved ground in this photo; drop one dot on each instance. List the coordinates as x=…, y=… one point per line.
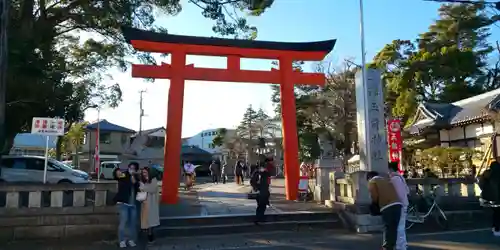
x=320, y=240
x=223, y=199
x=210, y=199
x=479, y=239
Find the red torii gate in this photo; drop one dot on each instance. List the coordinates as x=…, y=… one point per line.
x=180, y=46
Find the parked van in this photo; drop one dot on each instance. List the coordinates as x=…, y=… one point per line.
x=26, y=168
x=107, y=168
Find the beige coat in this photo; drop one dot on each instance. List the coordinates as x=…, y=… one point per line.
x=150, y=208
x=383, y=192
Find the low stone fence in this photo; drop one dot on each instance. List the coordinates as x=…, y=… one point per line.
x=459, y=197
x=38, y=211
x=452, y=193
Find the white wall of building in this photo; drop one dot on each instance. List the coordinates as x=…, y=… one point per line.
x=475, y=135
x=204, y=140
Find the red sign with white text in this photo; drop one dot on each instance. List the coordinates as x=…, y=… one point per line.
x=394, y=140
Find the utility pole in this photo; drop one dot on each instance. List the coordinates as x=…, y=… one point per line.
x=4, y=22
x=141, y=110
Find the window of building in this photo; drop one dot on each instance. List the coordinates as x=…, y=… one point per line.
x=155, y=142
x=458, y=144
x=105, y=137
x=124, y=139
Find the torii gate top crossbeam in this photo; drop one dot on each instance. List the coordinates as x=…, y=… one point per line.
x=149, y=41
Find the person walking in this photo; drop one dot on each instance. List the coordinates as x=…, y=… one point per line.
x=125, y=200
x=385, y=202
x=150, y=211
x=246, y=170
x=189, y=170
x=238, y=173
x=403, y=191
x=215, y=172
x=224, y=173
x=260, y=184
x=489, y=182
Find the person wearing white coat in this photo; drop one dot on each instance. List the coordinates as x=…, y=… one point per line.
x=402, y=190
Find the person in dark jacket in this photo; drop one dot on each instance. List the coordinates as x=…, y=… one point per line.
x=238, y=173
x=489, y=182
x=254, y=167
x=260, y=183
x=215, y=172
x=125, y=198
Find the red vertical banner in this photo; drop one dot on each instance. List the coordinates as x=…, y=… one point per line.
x=395, y=141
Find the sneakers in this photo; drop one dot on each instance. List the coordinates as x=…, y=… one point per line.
x=131, y=243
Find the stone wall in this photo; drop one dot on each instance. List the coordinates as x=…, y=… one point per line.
x=37, y=211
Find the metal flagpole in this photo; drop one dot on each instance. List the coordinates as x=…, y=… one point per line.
x=46, y=159
x=365, y=85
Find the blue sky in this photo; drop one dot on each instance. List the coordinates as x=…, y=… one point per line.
x=219, y=104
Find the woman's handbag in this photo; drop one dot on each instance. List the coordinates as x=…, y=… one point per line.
x=141, y=196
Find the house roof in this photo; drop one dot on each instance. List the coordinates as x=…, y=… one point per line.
x=104, y=125
x=193, y=150
x=149, y=131
x=456, y=113
x=28, y=140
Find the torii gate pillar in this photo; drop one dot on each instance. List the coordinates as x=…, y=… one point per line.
x=289, y=128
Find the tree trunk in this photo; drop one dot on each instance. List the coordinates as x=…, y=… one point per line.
x=59, y=148
x=7, y=145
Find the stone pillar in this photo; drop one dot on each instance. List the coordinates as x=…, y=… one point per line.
x=371, y=122
x=372, y=145
x=326, y=164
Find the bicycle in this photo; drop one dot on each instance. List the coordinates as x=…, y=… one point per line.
x=416, y=217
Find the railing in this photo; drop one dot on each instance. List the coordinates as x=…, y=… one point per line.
x=56, y=210
x=454, y=193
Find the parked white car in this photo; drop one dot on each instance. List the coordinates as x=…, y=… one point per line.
x=27, y=168
x=107, y=168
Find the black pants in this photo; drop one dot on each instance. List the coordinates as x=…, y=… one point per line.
x=262, y=202
x=215, y=178
x=149, y=233
x=390, y=217
x=496, y=218
x=223, y=178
